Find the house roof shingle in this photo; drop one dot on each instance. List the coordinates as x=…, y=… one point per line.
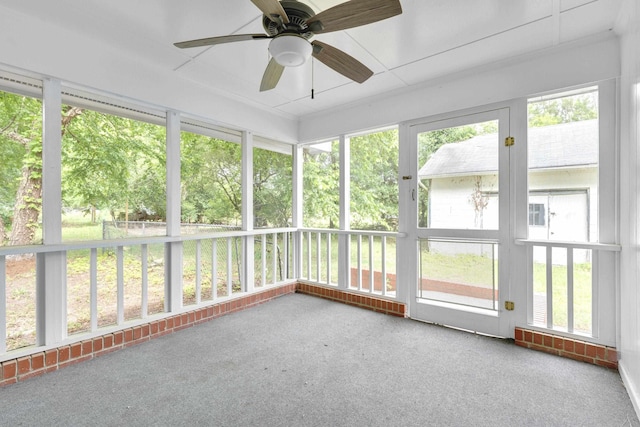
x=551, y=147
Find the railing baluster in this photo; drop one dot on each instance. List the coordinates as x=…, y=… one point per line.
x=3, y=304
x=318, y=256
x=285, y=241
x=144, y=261
x=309, y=255
x=595, y=291
x=198, y=271
x=359, y=262
x=371, y=269
x=570, y=290
x=120, y=278
x=328, y=258
x=93, y=284
x=229, y=267
x=549, y=287
x=274, y=239
x=264, y=260
x=383, y=255
x=214, y=269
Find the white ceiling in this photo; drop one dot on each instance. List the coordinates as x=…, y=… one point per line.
x=431, y=39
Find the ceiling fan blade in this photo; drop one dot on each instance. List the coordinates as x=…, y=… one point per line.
x=210, y=41
x=272, y=9
x=353, y=13
x=271, y=75
x=341, y=62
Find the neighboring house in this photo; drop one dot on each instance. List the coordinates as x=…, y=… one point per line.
x=462, y=183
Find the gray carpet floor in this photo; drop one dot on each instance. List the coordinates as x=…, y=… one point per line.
x=304, y=361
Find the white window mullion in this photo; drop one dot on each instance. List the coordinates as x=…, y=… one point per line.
x=173, y=250
x=51, y=284
x=248, y=265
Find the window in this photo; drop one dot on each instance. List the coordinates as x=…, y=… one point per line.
x=374, y=181
x=321, y=185
x=272, y=185
x=563, y=143
x=536, y=214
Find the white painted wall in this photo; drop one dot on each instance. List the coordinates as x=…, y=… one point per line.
x=629, y=341
x=565, y=66
x=65, y=55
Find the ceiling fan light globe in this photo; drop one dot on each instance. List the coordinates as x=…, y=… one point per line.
x=290, y=50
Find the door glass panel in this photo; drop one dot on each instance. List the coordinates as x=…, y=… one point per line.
x=563, y=138
x=460, y=272
x=458, y=177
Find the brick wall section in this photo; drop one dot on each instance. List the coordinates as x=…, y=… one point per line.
x=379, y=305
x=12, y=371
x=567, y=347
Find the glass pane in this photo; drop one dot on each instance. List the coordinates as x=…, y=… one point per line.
x=563, y=138
x=459, y=272
x=321, y=185
x=20, y=170
x=211, y=177
x=458, y=173
x=374, y=181
x=113, y=176
x=272, y=188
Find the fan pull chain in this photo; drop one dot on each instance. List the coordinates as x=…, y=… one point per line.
x=312, y=79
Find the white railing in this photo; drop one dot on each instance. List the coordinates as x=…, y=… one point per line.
x=362, y=261
x=569, y=285
x=101, y=285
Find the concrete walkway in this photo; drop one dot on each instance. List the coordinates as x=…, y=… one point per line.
x=305, y=361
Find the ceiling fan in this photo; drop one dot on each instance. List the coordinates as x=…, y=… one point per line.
x=291, y=24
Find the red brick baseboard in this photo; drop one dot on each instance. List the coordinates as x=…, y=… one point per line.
x=20, y=369
x=567, y=347
x=379, y=305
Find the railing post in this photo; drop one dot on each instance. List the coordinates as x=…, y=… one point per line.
x=51, y=285
x=248, y=265
x=297, y=218
x=173, y=250
x=344, y=240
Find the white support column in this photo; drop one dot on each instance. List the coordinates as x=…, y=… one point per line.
x=247, y=276
x=605, y=264
x=173, y=251
x=344, y=241
x=406, y=247
x=51, y=294
x=297, y=209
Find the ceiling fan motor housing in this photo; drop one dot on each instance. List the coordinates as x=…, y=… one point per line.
x=298, y=14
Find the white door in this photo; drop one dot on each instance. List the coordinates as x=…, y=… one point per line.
x=460, y=217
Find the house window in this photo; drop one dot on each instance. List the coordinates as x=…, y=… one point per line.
x=536, y=214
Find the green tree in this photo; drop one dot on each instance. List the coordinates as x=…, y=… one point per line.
x=321, y=177
x=272, y=188
x=113, y=162
x=374, y=180
x=21, y=138
x=563, y=110
x=211, y=180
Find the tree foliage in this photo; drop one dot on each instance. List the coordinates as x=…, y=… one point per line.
x=563, y=110
x=116, y=163
x=374, y=181
x=321, y=184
